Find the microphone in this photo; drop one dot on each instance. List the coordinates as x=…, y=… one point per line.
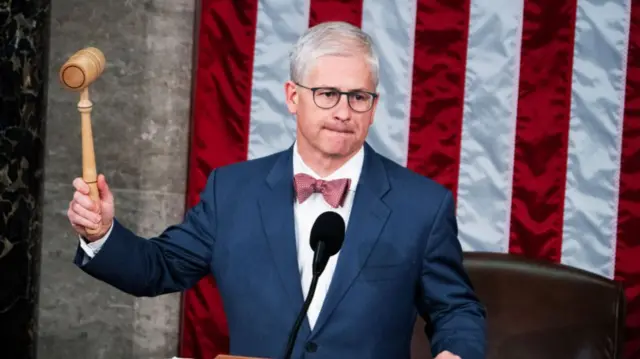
x=327, y=236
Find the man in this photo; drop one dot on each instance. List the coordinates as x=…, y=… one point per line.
x=251, y=230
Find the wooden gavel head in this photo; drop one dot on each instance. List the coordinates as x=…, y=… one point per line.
x=82, y=68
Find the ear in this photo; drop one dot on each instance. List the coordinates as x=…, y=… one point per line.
x=291, y=96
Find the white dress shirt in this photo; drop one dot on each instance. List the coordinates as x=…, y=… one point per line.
x=305, y=215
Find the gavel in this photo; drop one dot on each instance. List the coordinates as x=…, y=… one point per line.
x=80, y=70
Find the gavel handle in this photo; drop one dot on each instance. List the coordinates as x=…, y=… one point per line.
x=89, y=173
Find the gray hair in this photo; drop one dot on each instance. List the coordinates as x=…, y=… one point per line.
x=333, y=38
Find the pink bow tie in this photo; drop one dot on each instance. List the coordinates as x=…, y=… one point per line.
x=334, y=192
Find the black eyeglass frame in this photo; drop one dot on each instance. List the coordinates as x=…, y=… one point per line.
x=313, y=90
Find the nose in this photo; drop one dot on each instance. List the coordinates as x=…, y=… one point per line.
x=342, y=111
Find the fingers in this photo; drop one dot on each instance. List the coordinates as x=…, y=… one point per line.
x=89, y=212
x=85, y=201
x=83, y=211
x=103, y=188
x=81, y=217
x=81, y=186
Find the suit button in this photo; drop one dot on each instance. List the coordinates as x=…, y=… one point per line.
x=311, y=347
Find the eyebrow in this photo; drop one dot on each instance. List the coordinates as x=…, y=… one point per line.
x=348, y=90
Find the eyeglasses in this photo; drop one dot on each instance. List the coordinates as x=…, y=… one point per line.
x=328, y=97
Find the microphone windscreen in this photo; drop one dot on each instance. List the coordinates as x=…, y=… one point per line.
x=329, y=228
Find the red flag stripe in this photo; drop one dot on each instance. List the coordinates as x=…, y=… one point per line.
x=628, y=245
x=544, y=108
x=440, y=55
x=219, y=136
x=335, y=10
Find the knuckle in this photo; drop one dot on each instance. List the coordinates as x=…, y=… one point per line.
x=81, y=201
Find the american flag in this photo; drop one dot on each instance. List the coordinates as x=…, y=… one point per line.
x=529, y=110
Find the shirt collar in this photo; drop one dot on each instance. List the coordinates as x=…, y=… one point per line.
x=351, y=169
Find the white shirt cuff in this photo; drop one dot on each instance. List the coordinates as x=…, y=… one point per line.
x=92, y=248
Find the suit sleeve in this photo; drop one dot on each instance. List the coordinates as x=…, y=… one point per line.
x=447, y=300
x=173, y=261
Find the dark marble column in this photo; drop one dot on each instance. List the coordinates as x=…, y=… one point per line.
x=24, y=42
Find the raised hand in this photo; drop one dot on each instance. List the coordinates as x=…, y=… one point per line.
x=83, y=213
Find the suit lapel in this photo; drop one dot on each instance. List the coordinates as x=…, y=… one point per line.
x=368, y=216
x=276, y=211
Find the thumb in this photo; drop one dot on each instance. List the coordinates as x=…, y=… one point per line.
x=103, y=189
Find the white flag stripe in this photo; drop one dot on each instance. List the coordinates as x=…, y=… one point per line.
x=279, y=24
x=393, y=31
x=489, y=123
x=595, y=135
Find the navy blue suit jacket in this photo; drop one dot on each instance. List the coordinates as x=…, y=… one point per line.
x=400, y=257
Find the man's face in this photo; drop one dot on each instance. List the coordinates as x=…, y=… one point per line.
x=338, y=131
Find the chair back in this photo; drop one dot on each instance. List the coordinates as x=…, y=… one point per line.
x=537, y=309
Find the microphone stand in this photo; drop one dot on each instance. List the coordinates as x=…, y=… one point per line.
x=319, y=253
